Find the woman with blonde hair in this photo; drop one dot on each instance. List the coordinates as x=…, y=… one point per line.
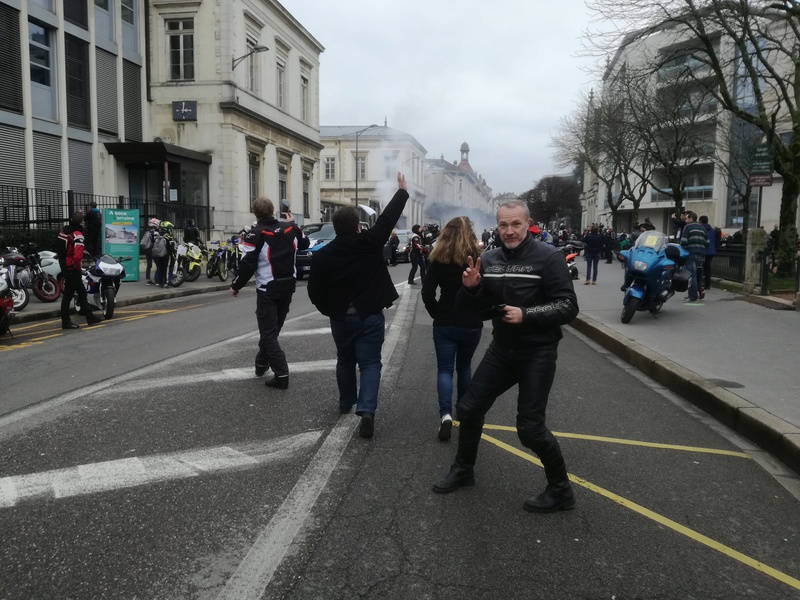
x=455, y=334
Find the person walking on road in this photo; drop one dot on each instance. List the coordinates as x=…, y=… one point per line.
x=455, y=334
x=350, y=284
x=694, y=240
x=271, y=246
x=416, y=255
x=528, y=285
x=711, y=252
x=394, y=244
x=592, y=250
x=69, y=248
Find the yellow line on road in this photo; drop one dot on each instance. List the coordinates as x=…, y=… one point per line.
x=660, y=519
x=610, y=440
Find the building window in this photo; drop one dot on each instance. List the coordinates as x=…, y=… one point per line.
x=103, y=19
x=76, y=53
x=254, y=174
x=180, y=37
x=252, y=66
x=128, y=11
x=330, y=168
x=304, y=99
x=361, y=168
x=282, y=187
x=101, y=4
x=306, y=195
x=42, y=68
x=76, y=12
x=280, y=82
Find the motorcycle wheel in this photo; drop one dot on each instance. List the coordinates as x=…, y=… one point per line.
x=179, y=276
x=109, y=300
x=211, y=267
x=62, y=285
x=574, y=272
x=223, y=270
x=21, y=298
x=46, y=288
x=629, y=309
x=194, y=273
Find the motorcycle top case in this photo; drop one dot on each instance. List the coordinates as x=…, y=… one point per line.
x=680, y=279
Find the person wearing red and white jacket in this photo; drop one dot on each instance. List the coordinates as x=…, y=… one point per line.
x=69, y=247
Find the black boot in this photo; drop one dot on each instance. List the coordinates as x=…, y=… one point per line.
x=68, y=324
x=92, y=319
x=280, y=382
x=461, y=473
x=552, y=499
x=558, y=494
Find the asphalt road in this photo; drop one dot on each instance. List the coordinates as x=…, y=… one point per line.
x=170, y=471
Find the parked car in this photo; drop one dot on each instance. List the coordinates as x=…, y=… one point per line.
x=318, y=235
x=404, y=248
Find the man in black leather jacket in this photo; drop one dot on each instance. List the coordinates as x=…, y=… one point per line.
x=529, y=285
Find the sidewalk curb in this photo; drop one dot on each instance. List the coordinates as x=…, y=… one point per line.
x=776, y=436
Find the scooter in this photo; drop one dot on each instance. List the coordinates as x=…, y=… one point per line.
x=649, y=270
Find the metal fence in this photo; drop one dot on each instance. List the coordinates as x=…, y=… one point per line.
x=729, y=263
x=28, y=211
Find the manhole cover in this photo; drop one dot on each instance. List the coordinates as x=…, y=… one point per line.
x=726, y=384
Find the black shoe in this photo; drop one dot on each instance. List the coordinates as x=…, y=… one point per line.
x=93, y=319
x=345, y=410
x=445, y=428
x=551, y=500
x=367, y=426
x=68, y=324
x=260, y=370
x=457, y=477
x=623, y=288
x=280, y=382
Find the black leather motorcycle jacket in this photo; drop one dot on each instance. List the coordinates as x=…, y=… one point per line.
x=534, y=277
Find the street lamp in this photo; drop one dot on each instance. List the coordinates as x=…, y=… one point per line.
x=236, y=61
x=358, y=133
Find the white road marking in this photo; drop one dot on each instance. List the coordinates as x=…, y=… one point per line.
x=265, y=556
x=224, y=375
x=132, y=472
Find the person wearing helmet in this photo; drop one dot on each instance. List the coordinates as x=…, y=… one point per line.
x=147, y=246
x=168, y=231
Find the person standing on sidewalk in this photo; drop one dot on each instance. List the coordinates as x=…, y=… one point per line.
x=148, y=238
x=711, y=252
x=455, y=334
x=417, y=255
x=394, y=244
x=271, y=246
x=528, y=285
x=93, y=222
x=695, y=241
x=350, y=284
x=69, y=248
x=592, y=250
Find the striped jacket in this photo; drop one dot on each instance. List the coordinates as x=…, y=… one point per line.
x=694, y=238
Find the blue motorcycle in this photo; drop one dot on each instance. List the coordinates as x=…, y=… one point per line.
x=654, y=273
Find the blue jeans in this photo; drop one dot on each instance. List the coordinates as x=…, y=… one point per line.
x=694, y=264
x=358, y=342
x=455, y=347
x=592, y=261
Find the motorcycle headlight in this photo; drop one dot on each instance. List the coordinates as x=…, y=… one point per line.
x=640, y=265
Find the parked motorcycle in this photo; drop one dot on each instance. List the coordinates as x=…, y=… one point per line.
x=570, y=254
x=650, y=268
x=19, y=276
x=45, y=286
x=235, y=253
x=6, y=302
x=217, y=260
x=190, y=257
x=102, y=281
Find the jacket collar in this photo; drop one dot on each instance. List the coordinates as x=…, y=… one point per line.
x=524, y=244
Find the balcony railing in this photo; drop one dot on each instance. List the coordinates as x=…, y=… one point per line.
x=698, y=192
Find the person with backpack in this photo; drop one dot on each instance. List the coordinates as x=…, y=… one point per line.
x=417, y=255
x=160, y=253
x=146, y=246
x=69, y=248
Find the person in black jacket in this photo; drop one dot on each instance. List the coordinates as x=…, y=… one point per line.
x=455, y=334
x=593, y=248
x=529, y=286
x=350, y=283
x=417, y=254
x=270, y=248
x=69, y=248
x=94, y=229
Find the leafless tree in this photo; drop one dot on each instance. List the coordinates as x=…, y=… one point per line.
x=751, y=48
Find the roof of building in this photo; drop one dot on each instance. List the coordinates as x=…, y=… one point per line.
x=377, y=132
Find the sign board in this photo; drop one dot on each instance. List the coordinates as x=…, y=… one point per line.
x=761, y=165
x=121, y=239
x=184, y=110
x=760, y=180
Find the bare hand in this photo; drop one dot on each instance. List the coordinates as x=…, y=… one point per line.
x=234, y=292
x=287, y=216
x=401, y=181
x=471, y=276
x=513, y=315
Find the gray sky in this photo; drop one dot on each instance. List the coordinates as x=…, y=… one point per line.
x=498, y=75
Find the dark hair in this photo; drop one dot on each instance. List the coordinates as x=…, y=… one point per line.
x=76, y=218
x=415, y=229
x=345, y=220
x=703, y=219
x=594, y=229
x=690, y=214
x=263, y=208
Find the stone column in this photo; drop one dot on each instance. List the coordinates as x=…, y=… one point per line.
x=756, y=245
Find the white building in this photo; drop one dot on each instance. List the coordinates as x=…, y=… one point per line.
x=359, y=166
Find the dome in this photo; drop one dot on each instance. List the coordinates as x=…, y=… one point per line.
x=465, y=147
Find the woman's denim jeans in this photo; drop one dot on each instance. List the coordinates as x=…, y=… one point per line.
x=455, y=347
